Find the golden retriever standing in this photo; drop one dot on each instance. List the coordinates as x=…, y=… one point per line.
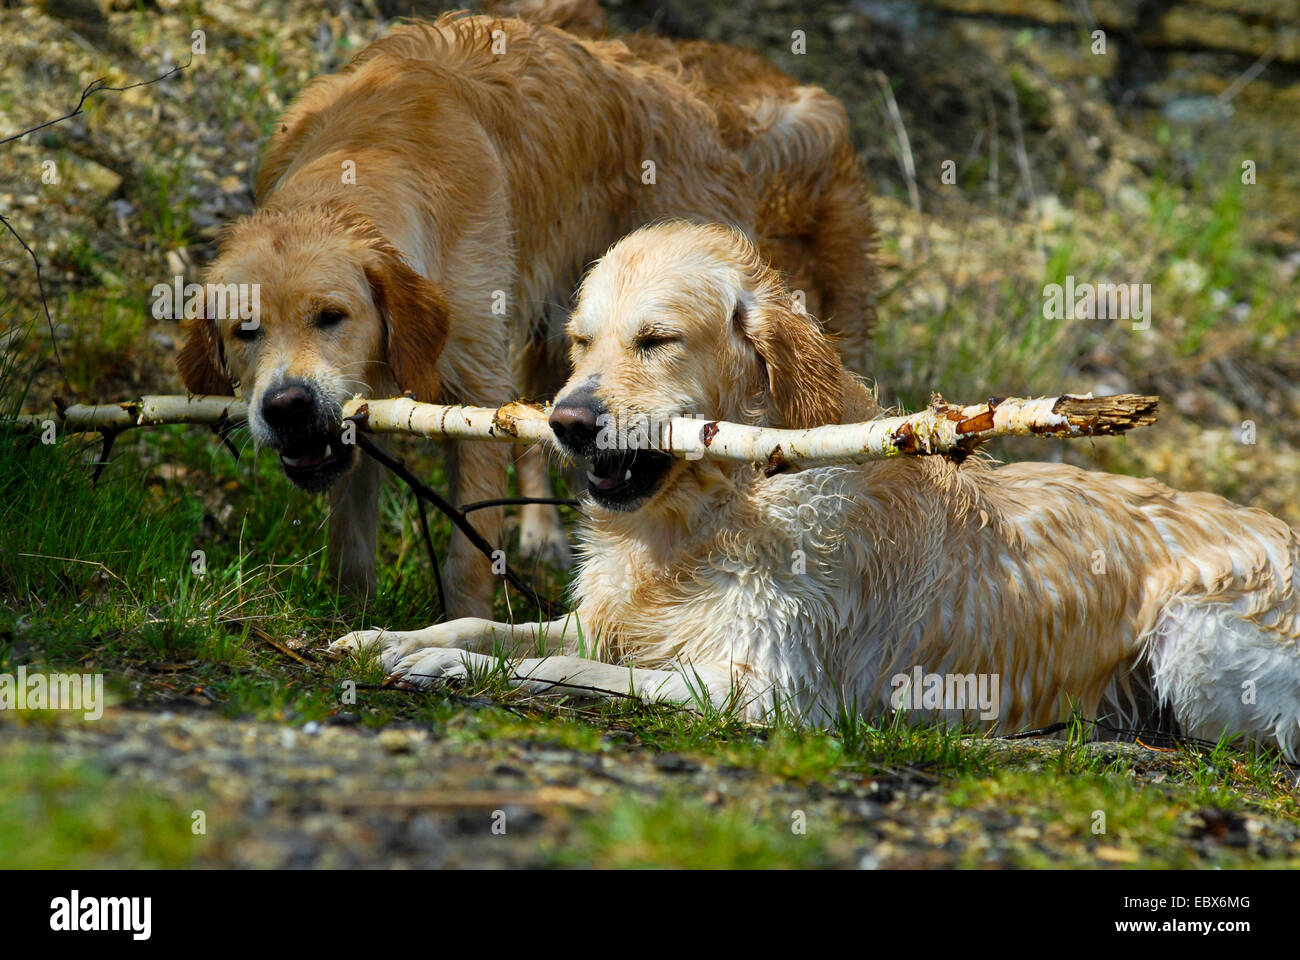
x=425, y=215
x=855, y=585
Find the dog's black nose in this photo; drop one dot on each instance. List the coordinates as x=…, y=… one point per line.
x=288, y=405
x=574, y=421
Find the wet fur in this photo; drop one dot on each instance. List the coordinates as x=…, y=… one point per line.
x=812, y=590
x=481, y=177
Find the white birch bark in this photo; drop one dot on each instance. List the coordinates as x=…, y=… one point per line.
x=942, y=428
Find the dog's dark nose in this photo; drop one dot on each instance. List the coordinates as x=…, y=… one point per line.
x=573, y=421
x=288, y=405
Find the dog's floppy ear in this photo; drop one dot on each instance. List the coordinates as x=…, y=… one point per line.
x=200, y=360
x=804, y=373
x=415, y=322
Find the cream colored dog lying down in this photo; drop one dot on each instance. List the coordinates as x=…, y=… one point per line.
x=1051, y=586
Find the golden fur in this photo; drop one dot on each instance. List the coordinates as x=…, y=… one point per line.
x=491, y=160
x=820, y=588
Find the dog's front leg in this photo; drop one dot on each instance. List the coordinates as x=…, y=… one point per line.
x=470, y=633
x=446, y=650
x=699, y=688
x=353, y=522
x=479, y=473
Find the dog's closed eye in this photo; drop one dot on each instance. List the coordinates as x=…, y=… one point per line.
x=330, y=316
x=648, y=342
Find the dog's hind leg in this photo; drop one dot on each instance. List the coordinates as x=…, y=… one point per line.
x=1221, y=672
x=541, y=533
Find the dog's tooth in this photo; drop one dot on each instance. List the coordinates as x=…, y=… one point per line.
x=289, y=461
x=328, y=450
x=628, y=475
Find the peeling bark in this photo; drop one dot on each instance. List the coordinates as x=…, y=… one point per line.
x=144, y=412
x=941, y=429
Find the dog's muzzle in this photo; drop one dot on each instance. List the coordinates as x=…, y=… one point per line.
x=620, y=477
x=310, y=452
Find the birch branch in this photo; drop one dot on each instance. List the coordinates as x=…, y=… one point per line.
x=941, y=429
x=144, y=412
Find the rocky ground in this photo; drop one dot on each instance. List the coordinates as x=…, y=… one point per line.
x=340, y=795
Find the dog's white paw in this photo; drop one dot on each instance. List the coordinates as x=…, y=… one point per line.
x=424, y=668
x=387, y=646
x=358, y=641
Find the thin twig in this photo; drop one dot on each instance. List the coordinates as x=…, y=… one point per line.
x=1249, y=75
x=433, y=556
x=45, y=304
x=96, y=86
x=256, y=631
x=539, y=680
x=576, y=686
x=905, y=150
x=1026, y=174
x=109, y=437
x=425, y=492
x=1139, y=735
x=93, y=563
x=1046, y=731
x=519, y=501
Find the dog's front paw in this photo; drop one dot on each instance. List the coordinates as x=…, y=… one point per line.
x=420, y=670
x=360, y=642
x=387, y=646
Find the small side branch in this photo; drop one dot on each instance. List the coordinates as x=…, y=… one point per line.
x=426, y=493
x=95, y=86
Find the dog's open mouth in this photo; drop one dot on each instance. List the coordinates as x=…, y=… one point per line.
x=620, y=479
x=313, y=463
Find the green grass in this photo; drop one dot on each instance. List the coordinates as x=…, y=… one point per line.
x=679, y=832
x=1212, y=293
x=1141, y=822
x=166, y=201
x=56, y=814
